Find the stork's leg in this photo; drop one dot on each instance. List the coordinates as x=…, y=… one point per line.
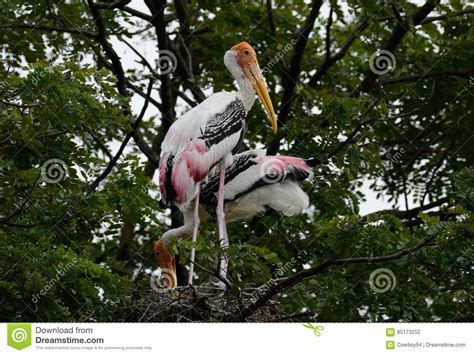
x=223, y=240
x=195, y=232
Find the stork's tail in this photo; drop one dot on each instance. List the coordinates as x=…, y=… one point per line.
x=297, y=168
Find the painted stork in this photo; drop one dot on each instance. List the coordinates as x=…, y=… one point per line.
x=254, y=183
x=206, y=136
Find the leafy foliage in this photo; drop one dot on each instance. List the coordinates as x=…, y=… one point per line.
x=409, y=136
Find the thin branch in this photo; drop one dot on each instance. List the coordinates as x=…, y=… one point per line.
x=4, y=220
x=145, y=62
x=117, y=68
x=271, y=20
x=122, y=82
x=101, y=145
x=129, y=135
x=137, y=13
x=185, y=97
x=446, y=16
x=285, y=283
x=81, y=32
x=356, y=130
x=142, y=94
x=112, y=4
x=329, y=62
x=398, y=33
x=403, y=214
x=462, y=73
x=328, y=34
x=291, y=76
x=431, y=19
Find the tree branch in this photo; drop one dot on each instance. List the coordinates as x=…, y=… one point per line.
x=271, y=20
x=356, y=130
x=129, y=135
x=331, y=60
x=5, y=220
x=285, y=283
x=446, y=16
x=462, y=73
x=398, y=33
x=78, y=31
x=290, y=77
x=112, y=4
x=371, y=217
x=117, y=69
x=137, y=13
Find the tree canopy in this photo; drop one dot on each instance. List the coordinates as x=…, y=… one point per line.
x=378, y=93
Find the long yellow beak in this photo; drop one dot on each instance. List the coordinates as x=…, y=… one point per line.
x=255, y=74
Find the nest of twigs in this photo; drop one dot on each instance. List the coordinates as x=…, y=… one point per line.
x=204, y=303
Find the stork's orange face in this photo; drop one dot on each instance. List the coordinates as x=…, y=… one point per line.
x=247, y=59
x=245, y=53
x=167, y=263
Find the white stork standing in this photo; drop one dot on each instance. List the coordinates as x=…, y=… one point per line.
x=207, y=135
x=254, y=183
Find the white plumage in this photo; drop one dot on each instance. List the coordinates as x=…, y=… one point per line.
x=205, y=137
x=252, y=186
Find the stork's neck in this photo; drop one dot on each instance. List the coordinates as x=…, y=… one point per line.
x=179, y=232
x=246, y=92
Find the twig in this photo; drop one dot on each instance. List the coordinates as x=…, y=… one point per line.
x=398, y=33
x=271, y=20
x=112, y=4
x=465, y=73
x=329, y=62
x=404, y=214
x=102, y=146
x=4, y=220
x=81, y=32
x=446, y=16
x=356, y=130
x=328, y=34
x=290, y=77
x=129, y=135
